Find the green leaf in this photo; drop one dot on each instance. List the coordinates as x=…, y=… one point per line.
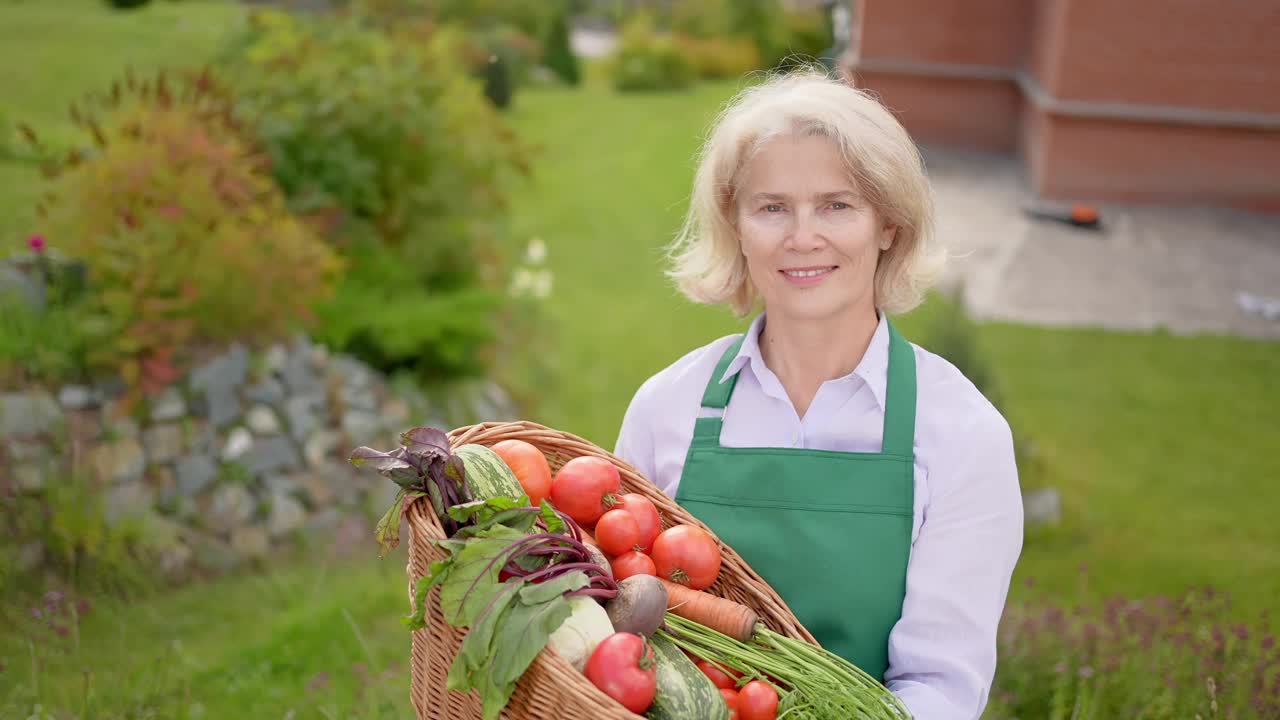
x=524, y=634
x=533, y=594
x=474, y=577
x=478, y=646
x=435, y=575
x=552, y=520
x=388, y=530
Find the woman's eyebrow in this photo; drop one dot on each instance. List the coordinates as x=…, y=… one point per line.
x=830, y=195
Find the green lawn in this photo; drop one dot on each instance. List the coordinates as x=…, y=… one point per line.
x=55, y=51
x=1164, y=447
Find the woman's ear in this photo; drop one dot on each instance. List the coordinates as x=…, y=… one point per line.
x=887, y=235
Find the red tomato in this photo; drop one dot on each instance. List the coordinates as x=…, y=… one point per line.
x=757, y=701
x=632, y=563
x=624, y=668
x=687, y=555
x=718, y=677
x=617, y=532
x=530, y=467
x=731, y=699
x=646, y=515
x=585, y=488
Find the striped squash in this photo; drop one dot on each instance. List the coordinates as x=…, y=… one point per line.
x=487, y=476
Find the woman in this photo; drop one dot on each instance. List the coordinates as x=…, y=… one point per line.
x=864, y=478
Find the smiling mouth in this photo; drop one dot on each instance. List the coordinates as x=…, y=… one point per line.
x=809, y=272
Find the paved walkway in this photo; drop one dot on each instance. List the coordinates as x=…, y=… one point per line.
x=1178, y=268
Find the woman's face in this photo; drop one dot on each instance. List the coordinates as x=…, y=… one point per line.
x=811, y=241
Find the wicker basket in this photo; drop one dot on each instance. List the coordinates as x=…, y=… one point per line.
x=551, y=687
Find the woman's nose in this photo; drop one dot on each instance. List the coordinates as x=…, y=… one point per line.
x=805, y=234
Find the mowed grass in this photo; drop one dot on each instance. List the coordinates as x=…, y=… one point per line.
x=56, y=51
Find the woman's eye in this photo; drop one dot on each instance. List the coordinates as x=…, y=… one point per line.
x=773, y=208
x=839, y=206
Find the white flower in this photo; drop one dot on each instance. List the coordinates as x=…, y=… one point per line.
x=521, y=282
x=536, y=253
x=542, y=285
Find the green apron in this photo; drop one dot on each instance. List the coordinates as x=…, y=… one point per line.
x=829, y=531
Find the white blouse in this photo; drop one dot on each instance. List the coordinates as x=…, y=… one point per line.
x=967, y=532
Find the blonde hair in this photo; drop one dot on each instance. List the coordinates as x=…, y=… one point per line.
x=707, y=263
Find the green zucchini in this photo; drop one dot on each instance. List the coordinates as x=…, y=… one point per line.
x=486, y=475
x=684, y=693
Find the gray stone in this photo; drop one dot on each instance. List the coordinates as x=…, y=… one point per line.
x=275, y=358
x=319, y=492
x=119, y=462
x=286, y=515
x=272, y=455
x=175, y=559
x=131, y=499
x=298, y=375
x=354, y=398
x=353, y=373
x=282, y=484
x=239, y=443
x=30, y=556
x=31, y=413
x=76, y=397
x=302, y=413
x=324, y=521
x=250, y=541
x=226, y=370
x=29, y=478
x=110, y=387
x=195, y=473
x=217, y=381
x=269, y=392
x=222, y=407
x=169, y=406
x=262, y=421
x=361, y=427
x=215, y=554
x=27, y=451
x=345, y=483
x=162, y=442
x=1042, y=507
x=320, y=447
x=230, y=507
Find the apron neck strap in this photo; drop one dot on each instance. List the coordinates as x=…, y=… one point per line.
x=899, y=400
x=900, y=397
x=717, y=393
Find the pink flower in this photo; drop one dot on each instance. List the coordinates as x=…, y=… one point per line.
x=36, y=243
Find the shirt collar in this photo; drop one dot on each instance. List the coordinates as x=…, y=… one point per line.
x=873, y=369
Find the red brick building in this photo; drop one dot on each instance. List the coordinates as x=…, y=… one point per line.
x=1132, y=100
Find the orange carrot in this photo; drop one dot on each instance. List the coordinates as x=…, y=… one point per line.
x=720, y=614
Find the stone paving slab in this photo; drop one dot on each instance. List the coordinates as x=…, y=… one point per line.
x=1178, y=268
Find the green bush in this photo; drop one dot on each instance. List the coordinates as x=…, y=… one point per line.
x=558, y=54
x=716, y=58
x=805, y=37
x=185, y=237
x=647, y=61
x=393, y=141
x=41, y=345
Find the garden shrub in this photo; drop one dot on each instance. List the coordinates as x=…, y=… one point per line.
x=185, y=237
x=648, y=61
x=716, y=58
x=557, y=52
x=388, y=137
